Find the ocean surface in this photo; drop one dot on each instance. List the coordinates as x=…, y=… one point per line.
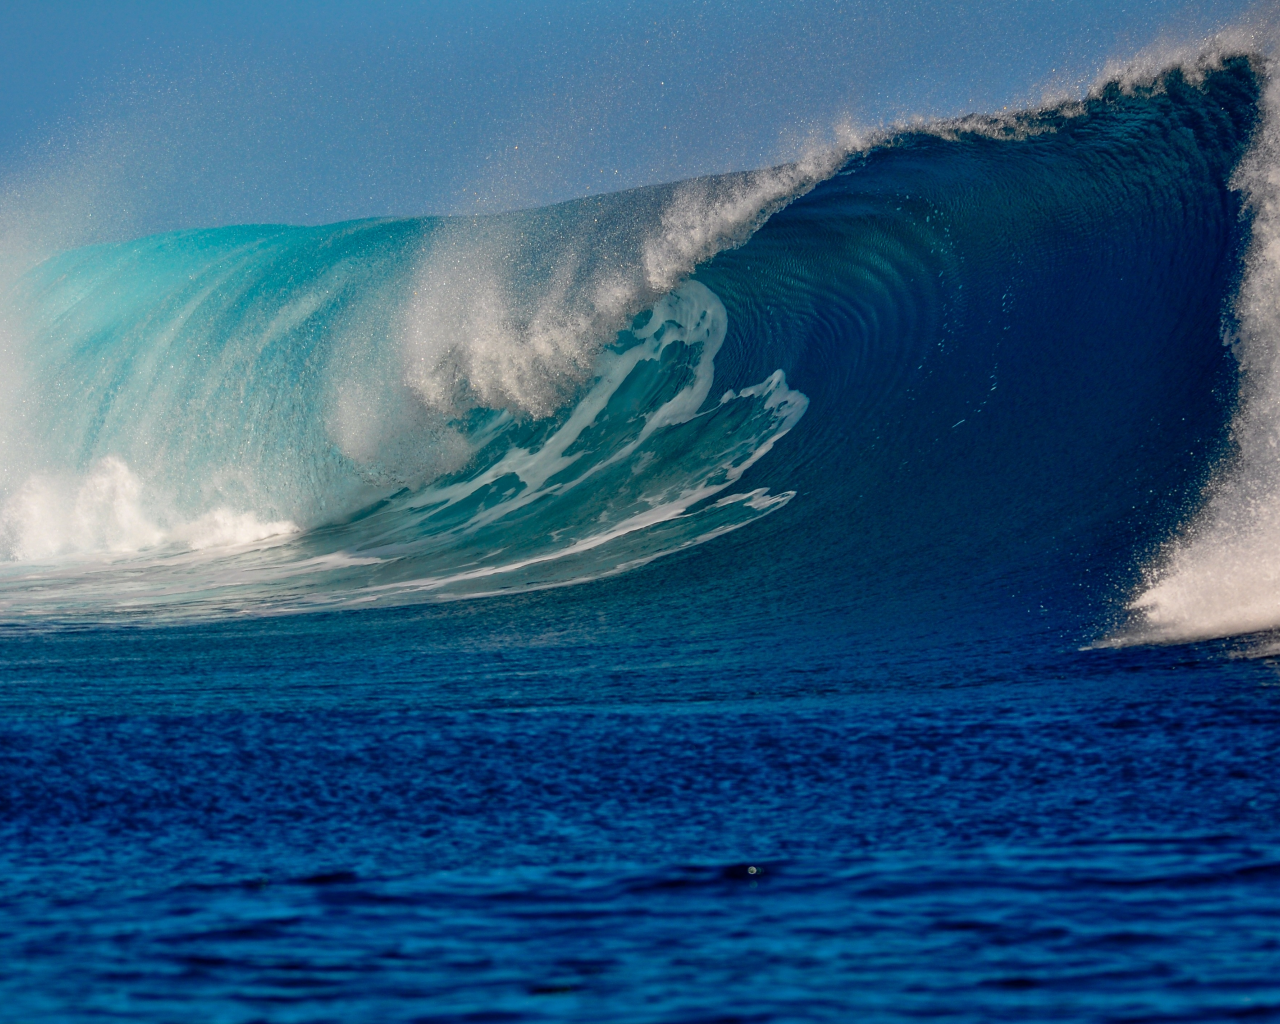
x=843, y=591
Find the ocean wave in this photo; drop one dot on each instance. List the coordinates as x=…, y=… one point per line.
x=938, y=346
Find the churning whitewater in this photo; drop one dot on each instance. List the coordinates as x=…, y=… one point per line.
x=1015, y=320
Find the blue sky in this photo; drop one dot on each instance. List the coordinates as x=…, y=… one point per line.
x=197, y=113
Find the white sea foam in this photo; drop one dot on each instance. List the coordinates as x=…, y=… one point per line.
x=1195, y=59
x=691, y=315
x=106, y=511
x=695, y=318
x=1221, y=576
x=511, y=312
x=707, y=215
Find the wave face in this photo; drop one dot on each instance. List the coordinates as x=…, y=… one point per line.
x=975, y=369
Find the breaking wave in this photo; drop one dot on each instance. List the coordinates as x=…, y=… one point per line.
x=957, y=354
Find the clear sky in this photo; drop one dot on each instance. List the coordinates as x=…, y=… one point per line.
x=189, y=114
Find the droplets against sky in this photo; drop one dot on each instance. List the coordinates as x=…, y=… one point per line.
x=156, y=116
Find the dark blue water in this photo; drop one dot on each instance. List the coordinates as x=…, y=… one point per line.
x=856, y=759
